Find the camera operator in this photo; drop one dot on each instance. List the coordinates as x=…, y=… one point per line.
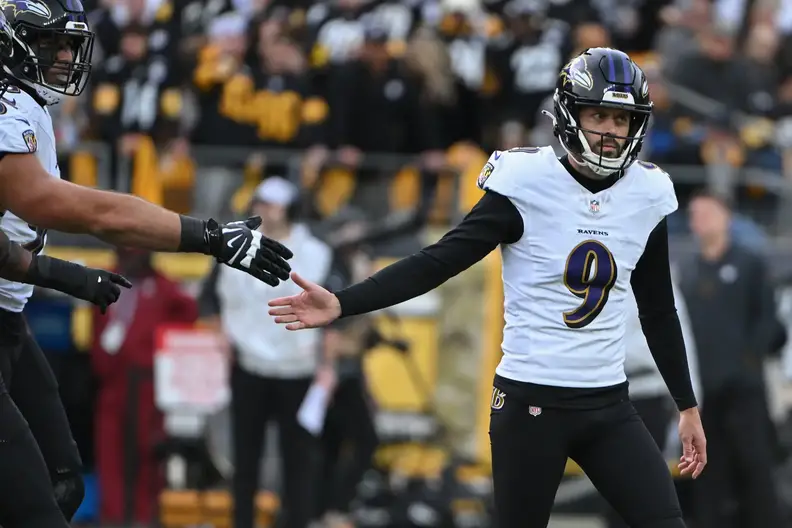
x=349, y=438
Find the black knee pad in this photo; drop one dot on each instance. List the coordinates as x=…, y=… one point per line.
x=69, y=492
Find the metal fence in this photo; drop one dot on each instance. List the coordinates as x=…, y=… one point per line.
x=219, y=172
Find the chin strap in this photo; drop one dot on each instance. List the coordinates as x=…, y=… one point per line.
x=551, y=116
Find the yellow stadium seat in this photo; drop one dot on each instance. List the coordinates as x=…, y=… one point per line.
x=405, y=189
x=180, y=508
x=146, y=182
x=218, y=508
x=267, y=506
x=468, y=160
x=82, y=168
x=184, y=508
x=253, y=174
x=333, y=190
x=390, y=380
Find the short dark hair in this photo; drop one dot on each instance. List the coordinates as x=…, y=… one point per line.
x=705, y=192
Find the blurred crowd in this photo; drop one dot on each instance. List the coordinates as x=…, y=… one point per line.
x=339, y=79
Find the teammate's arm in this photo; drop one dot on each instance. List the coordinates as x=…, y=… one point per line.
x=654, y=294
x=31, y=193
x=99, y=287
x=493, y=220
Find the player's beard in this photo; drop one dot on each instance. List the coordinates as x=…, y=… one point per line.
x=614, y=152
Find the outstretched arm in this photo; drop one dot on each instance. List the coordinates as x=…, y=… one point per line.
x=494, y=220
x=120, y=219
x=31, y=193
x=99, y=287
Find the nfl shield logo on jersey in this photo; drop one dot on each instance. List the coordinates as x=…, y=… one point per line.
x=534, y=410
x=594, y=206
x=30, y=140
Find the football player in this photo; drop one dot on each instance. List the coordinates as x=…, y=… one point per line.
x=575, y=233
x=99, y=287
x=49, y=58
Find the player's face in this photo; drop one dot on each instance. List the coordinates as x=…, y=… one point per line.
x=708, y=218
x=601, y=123
x=59, y=50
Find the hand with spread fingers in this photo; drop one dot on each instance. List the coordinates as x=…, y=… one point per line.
x=311, y=308
x=241, y=246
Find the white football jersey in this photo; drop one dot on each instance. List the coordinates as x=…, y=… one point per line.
x=25, y=127
x=566, y=280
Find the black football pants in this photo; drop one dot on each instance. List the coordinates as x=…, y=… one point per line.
x=611, y=444
x=27, y=498
x=656, y=414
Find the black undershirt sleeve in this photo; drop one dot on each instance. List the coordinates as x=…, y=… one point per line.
x=493, y=220
x=651, y=283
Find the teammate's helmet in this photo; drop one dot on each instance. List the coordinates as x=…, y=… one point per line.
x=41, y=28
x=6, y=39
x=602, y=77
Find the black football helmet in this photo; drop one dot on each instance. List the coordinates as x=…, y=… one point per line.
x=601, y=77
x=6, y=40
x=41, y=28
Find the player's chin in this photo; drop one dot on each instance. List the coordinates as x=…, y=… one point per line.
x=610, y=153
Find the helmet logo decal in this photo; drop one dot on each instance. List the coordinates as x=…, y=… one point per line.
x=576, y=73
x=34, y=7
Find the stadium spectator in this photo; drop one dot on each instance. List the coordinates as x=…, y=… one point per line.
x=272, y=369
x=128, y=424
x=376, y=105
x=732, y=314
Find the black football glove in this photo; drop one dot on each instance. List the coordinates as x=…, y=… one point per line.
x=96, y=286
x=241, y=246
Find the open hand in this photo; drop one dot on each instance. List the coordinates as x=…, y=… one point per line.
x=311, y=308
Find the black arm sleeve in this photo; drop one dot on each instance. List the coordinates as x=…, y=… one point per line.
x=651, y=283
x=208, y=300
x=493, y=220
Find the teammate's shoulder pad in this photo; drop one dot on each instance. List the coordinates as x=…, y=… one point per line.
x=17, y=131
